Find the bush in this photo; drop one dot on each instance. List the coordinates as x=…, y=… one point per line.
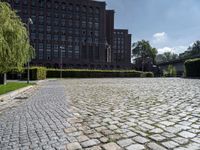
x=147, y=75
x=192, y=68
x=77, y=73
x=36, y=73
x=170, y=72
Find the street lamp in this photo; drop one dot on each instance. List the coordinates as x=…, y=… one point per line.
x=61, y=61
x=28, y=64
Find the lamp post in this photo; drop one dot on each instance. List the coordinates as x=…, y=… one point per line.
x=28, y=64
x=61, y=61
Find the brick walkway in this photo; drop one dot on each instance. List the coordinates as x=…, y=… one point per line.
x=94, y=114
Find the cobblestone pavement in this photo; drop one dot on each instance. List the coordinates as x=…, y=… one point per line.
x=135, y=114
x=109, y=114
x=38, y=122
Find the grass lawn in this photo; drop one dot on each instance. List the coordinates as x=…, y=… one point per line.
x=11, y=86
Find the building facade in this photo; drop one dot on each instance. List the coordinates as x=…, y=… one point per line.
x=79, y=31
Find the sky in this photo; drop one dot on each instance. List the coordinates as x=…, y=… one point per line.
x=169, y=25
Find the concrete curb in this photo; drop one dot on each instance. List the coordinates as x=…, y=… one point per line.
x=14, y=93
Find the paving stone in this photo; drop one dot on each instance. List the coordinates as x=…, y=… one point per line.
x=187, y=134
x=111, y=146
x=74, y=146
x=135, y=147
x=140, y=139
x=89, y=143
x=125, y=142
x=154, y=146
x=170, y=144
x=157, y=137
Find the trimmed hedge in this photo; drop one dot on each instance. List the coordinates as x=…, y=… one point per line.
x=76, y=73
x=192, y=68
x=148, y=75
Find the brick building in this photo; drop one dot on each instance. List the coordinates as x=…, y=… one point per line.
x=79, y=31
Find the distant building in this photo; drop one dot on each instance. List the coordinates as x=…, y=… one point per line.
x=83, y=30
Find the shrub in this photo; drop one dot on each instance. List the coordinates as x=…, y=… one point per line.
x=170, y=72
x=192, y=68
x=77, y=73
x=36, y=73
x=147, y=75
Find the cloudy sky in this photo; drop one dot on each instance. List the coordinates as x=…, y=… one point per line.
x=169, y=25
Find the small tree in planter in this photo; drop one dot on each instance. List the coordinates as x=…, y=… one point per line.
x=15, y=49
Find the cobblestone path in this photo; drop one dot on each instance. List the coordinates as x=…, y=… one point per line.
x=109, y=114
x=135, y=114
x=39, y=122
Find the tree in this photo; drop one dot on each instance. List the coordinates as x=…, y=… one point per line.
x=166, y=56
x=15, y=49
x=192, y=51
x=143, y=49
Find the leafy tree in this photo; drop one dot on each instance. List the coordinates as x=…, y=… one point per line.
x=15, y=49
x=192, y=51
x=143, y=49
x=167, y=56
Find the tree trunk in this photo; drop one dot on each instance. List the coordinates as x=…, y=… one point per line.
x=3, y=78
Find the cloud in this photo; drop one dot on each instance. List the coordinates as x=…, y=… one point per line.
x=165, y=49
x=159, y=37
x=176, y=49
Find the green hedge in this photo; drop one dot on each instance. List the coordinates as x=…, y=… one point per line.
x=192, y=68
x=147, y=75
x=75, y=73
x=36, y=73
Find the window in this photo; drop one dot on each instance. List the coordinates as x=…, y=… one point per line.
x=48, y=4
x=84, y=9
x=63, y=6
x=33, y=3
x=41, y=36
x=96, y=33
x=83, y=24
x=48, y=36
x=41, y=28
x=77, y=8
x=41, y=19
x=70, y=7
x=70, y=23
x=41, y=4
x=77, y=24
x=55, y=51
x=48, y=51
x=96, y=25
x=77, y=52
x=90, y=25
x=55, y=37
x=33, y=36
x=69, y=51
x=41, y=50
x=97, y=11
x=48, y=28
x=91, y=10
x=56, y=5
x=62, y=37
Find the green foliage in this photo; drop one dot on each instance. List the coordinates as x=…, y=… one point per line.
x=192, y=51
x=170, y=72
x=165, y=57
x=11, y=87
x=15, y=49
x=144, y=49
x=147, y=75
x=192, y=68
x=36, y=73
x=77, y=73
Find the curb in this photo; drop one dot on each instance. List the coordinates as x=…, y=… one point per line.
x=14, y=93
